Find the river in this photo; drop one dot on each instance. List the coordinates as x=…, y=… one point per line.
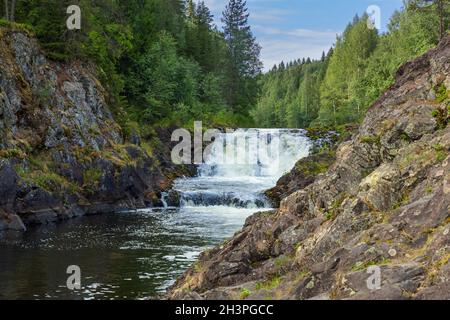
x=139, y=254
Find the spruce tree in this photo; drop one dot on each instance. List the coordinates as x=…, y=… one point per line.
x=203, y=15
x=190, y=11
x=244, y=51
x=241, y=43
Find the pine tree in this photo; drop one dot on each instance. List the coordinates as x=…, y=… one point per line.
x=241, y=43
x=190, y=11
x=203, y=15
x=243, y=51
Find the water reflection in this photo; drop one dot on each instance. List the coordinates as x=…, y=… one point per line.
x=134, y=255
x=122, y=256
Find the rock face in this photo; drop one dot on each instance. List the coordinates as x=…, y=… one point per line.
x=303, y=174
x=62, y=154
x=375, y=225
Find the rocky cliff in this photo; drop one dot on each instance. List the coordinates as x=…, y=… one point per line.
x=62, y=154
x=384, y=203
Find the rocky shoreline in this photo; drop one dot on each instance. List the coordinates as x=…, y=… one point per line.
x=381, y=202
x=62, y=154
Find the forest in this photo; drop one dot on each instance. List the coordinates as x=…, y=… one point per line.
x=98, y=198
x=165, y=62
x=338, y=88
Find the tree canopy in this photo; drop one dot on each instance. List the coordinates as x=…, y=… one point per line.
x=338, y=88
x=162, y=61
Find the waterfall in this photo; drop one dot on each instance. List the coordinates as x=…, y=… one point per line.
x=164, y=196
x=241, y=165
x=157, y=244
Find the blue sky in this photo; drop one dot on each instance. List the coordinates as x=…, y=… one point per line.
x=291, y=29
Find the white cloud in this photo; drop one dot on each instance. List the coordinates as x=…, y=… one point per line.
x=287, y=45
x=216, y=6
x=279, y=44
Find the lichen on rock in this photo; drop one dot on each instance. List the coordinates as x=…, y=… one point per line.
x=62, y=153
x=383, y=202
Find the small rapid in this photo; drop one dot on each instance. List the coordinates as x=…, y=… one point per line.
x=139, y=254
x=241, y=166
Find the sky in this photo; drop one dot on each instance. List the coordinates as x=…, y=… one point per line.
x=292, y=29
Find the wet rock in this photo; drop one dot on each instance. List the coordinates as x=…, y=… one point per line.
x=10, y=221
x=15, y=223
x=303, y=174
x=8, y=185
x=384, y=202
x=173, y=198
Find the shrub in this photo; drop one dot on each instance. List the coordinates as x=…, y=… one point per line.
x=12, y=153
x=370, y=140
x=442, y=117
x=269, y=285
x=51, y=182
x=441, y=153
x=91, y=178
x=441, y=93
x=245, y=293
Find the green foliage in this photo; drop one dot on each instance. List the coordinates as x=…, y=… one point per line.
x=245, y=293
x=17, y=26
x=91, y=177
x=48, y=21
x=49, y=181
x=183, y=70
x=242, y=62
x=269, y=284
x=320, y=165
x=282, y=261
x=441, y=152
x=436, y=11
x=441, y=93
x=410, y=35
x=429, y=190
x=340, y=87
x=363, y=265
x=161, y=62
x=107, y=52
x=442, y=116
x=290, y=97
x=370, y=140
x=164, y=62
x=302, y=274
x=12, y=153
x=329, y=215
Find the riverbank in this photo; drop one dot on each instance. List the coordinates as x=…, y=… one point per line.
x=63, y=154
x=383, y=204
x=139, y=254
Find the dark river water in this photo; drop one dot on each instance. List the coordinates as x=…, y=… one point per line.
x=121, y=256
x=139, y=254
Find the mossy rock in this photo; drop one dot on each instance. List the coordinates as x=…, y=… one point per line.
x=304, y=173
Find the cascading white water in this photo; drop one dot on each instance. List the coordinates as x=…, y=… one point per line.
x=230, y=187
x=241, y=166
x=144, y=251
